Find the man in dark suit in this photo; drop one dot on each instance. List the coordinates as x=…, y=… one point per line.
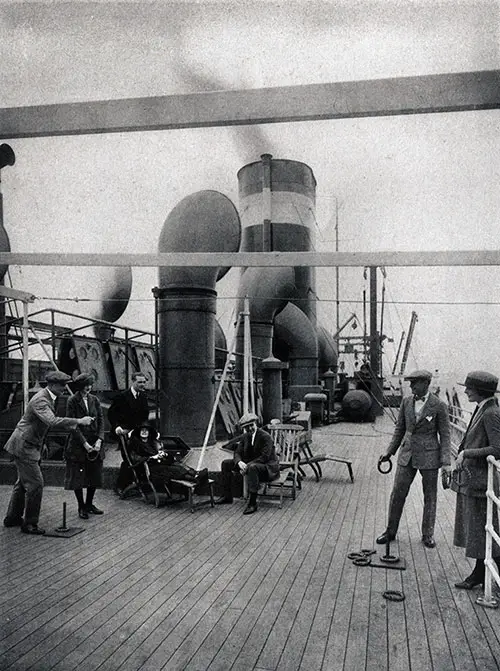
x=128, y=410
x=423, y=433
x=25, y=445
x=481, y=439
x=254, y=457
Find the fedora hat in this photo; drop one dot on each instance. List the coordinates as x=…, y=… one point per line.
x=481, y=380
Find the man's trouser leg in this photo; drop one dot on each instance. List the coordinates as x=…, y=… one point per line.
x=402, y=483
x=429, y=486
x=256, y=473
x=27, y=494
x=228, y=466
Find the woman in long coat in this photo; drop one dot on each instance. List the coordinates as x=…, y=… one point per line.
x=84, y=453
x=481, y=439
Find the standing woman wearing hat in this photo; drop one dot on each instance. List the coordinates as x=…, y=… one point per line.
x=481, y=439
x=84, y=453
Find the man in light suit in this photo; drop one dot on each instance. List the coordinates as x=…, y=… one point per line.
x=24, y=445
x=423, y=433
x=254, y=457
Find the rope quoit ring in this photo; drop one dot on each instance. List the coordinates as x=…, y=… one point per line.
x=355, y=555
x=381, y=470
x=367, y=553
x=461, y=476
x=362, y=561
x=393, y=595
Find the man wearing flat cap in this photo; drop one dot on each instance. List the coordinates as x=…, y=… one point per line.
x=422, y=435
x=24, y=445
x=481, y=439
x=254, y=457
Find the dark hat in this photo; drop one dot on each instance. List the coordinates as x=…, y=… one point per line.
x=82, y=380
x=419, y=375
x=248, y=418
x=481, y=380
x=57, y=376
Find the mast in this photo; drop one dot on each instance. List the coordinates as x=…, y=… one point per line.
x=413, y=321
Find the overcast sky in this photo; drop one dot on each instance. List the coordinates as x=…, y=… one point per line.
x=423, y=182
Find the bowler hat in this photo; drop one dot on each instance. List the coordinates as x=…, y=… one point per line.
x=419, y=375
x=57, y=376
x=481, y=380
x=248, y=418
x=82, y=380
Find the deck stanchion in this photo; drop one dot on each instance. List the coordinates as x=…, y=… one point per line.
x=63, y=526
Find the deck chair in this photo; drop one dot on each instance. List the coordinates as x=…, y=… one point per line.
x=286, y=442
x=138, y=485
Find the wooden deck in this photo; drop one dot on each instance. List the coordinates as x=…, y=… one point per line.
x=157, y=589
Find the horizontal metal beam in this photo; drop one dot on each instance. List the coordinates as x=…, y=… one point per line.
x=453, y=92
x=258, y=259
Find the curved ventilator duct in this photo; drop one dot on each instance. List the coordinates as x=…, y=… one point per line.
x=116, y=295
x=327, y=351
x=206, y=221
x=293, y=329
x=268, y=291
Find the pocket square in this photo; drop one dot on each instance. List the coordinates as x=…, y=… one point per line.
x=429, y=418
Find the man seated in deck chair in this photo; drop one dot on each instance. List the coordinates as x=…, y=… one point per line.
x=254, y=457
x=143, y=445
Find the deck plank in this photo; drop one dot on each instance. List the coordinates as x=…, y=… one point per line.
x=164, y=590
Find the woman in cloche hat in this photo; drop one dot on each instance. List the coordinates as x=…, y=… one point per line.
x=84, y=453
x=481, y=439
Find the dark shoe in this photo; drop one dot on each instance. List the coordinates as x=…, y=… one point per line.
x=11, y=522
x=32, y=529
x=251, y=508
x=384, y=538
x=428, y=541
x=469, y=583
x=223, y=499
x=118, y=491
x=95, y=511
x=83, y=514
x=201, y=477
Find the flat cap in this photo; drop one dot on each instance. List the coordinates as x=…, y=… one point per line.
x=57, y=376
x=481, y=380
x=83, y=380
x=419, y=375
x=248, y=418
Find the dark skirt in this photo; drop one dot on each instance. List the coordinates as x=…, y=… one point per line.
x=470, y=520
x=80, y=475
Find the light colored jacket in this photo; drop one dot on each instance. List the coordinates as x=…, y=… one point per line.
x=423, y=442
x=27, y=438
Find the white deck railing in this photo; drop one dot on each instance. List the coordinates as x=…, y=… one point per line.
x=491, y=569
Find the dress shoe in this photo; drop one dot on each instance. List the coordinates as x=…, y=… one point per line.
x=428, y=541
x=251, y=508
x=384, y=538
x=469, y=583
x=32, y=529
x=201, y=477
x=83, y=514
x=12, y=522
x=95, y=511
x=223, y=499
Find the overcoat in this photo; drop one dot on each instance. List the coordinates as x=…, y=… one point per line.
x=75, y=450
x=424, y=441
x=481, y=439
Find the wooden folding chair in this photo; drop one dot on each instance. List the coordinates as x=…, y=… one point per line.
x=286, y=442
x=136, y=484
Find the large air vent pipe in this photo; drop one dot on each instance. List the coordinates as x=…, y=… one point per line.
x=206, y=221
x=268, y=291
x=296, y=341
